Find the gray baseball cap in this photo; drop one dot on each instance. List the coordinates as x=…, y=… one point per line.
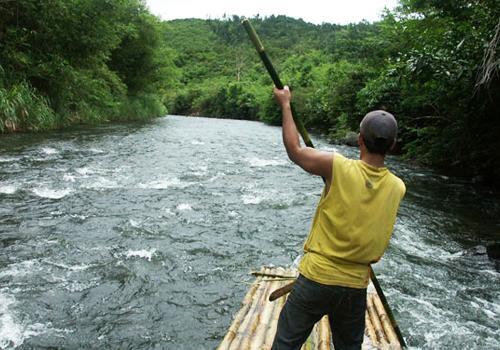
x=379, y=130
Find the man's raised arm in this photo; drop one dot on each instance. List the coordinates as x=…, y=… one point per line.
x=311, y=160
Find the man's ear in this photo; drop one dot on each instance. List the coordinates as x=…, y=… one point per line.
x=393, y=145
x=361, y=141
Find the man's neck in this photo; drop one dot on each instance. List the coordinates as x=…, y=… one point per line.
x=373, y=159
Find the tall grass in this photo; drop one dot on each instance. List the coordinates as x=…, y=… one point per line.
x=22, y=109
x=82, y=96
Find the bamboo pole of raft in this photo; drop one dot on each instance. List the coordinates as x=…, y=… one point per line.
x=247, y=301
x=371, y=331
x=324, y=334
x=328, y=336
x=259, y=337
x=323, y=344
x=269, y=330
x=307, y=344
x=317, y=334
x=377, y=326
x=246, y=326
x=251, y=312
x=256, y=320
x=317, y=338
x=273, y=324
x=266, y=344
x=386, y=323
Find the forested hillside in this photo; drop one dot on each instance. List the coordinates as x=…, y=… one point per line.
x=434, y=64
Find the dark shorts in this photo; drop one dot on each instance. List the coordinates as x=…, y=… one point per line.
x=308, y=302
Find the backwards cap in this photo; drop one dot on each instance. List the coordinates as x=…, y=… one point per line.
x=379, y=130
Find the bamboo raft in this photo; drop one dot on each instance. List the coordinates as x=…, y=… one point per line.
x=254, y=326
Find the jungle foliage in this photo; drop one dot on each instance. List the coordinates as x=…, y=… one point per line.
x=434, y=64
x=80, y=61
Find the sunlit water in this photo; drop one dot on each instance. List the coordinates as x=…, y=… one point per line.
x=142, y=237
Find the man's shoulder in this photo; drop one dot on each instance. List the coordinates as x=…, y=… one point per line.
x=340, y=158
x=399, y=183
x=397, y=178
x=342, y=163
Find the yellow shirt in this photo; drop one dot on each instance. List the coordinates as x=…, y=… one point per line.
x=352, y=225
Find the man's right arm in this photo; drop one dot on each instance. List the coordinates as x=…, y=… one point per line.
x=311, y=160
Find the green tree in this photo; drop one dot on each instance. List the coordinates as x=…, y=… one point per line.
x=61, y=52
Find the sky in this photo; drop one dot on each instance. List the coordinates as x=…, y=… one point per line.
x=314, y=11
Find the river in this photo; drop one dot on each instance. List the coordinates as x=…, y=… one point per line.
x=141, y=236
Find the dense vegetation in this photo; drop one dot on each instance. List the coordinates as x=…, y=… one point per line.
x=434, y=64
x=72, y=61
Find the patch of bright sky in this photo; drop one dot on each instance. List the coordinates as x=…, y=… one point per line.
x=314, y=11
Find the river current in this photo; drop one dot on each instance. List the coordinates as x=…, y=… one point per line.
x=142, y=236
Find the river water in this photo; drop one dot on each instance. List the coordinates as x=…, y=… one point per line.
x=141, y=236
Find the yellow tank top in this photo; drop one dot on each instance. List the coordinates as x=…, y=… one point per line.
x=352, y=225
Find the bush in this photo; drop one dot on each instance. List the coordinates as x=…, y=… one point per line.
x=141, y=107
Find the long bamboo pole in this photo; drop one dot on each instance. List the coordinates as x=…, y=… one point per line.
x=273, y=325
x=387, y=308
x=247, y=322
x=371, y=331
x=324, y=334
x=256, y=330
x=377, y=326
x=307, y=140
x=238, y=318
x=258, y=339
x=274, y=76
x=233, y=329
x=386, y=323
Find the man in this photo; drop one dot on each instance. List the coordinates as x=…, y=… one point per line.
x=350, y=230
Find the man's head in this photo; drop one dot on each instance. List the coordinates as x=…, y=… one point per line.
x=378, y=130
